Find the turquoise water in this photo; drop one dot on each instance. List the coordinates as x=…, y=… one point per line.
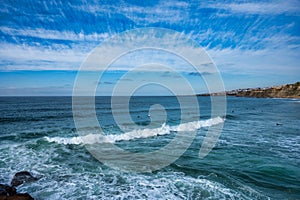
x=256, y=157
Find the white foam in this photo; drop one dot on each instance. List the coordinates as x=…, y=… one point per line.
x=136, y=134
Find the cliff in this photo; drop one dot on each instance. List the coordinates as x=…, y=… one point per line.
x=283, y=91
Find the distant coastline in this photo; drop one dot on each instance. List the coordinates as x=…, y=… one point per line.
x=281, y=91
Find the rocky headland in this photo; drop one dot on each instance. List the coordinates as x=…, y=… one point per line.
x=282, y=91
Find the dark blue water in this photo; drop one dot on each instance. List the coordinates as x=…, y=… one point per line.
x=256, y=157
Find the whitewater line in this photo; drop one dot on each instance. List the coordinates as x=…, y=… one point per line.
x=136, y=134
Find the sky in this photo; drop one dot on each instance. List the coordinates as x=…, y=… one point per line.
x=43, y=43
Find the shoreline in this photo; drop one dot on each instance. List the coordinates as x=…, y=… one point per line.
x=291, y=91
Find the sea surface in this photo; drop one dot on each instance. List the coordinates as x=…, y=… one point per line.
x=257, y=155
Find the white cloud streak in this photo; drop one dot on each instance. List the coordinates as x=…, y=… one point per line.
x=264, y=62
x=279, y=55
x=289, y=7
x=54, y=34
x=165, y=11
x=277, y=52
x=24, y=57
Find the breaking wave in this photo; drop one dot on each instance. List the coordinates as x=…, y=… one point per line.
x=137, y=134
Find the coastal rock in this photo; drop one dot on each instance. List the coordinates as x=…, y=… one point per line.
x=283, y=91
x=10, y=193
x=22, y=177
x=6, y=190
x=24, y=196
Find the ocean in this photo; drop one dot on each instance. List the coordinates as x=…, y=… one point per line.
x=256, y=156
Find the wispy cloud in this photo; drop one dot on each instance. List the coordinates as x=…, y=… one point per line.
x=242, y=37
x=54, y=34
x=264, y=62
x=289, y=7
x=162, y=11
x=165, y=11
x=23, y=57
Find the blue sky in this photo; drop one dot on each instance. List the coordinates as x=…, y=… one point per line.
x=43, y=43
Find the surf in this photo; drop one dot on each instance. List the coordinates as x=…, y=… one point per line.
x=164, y=129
